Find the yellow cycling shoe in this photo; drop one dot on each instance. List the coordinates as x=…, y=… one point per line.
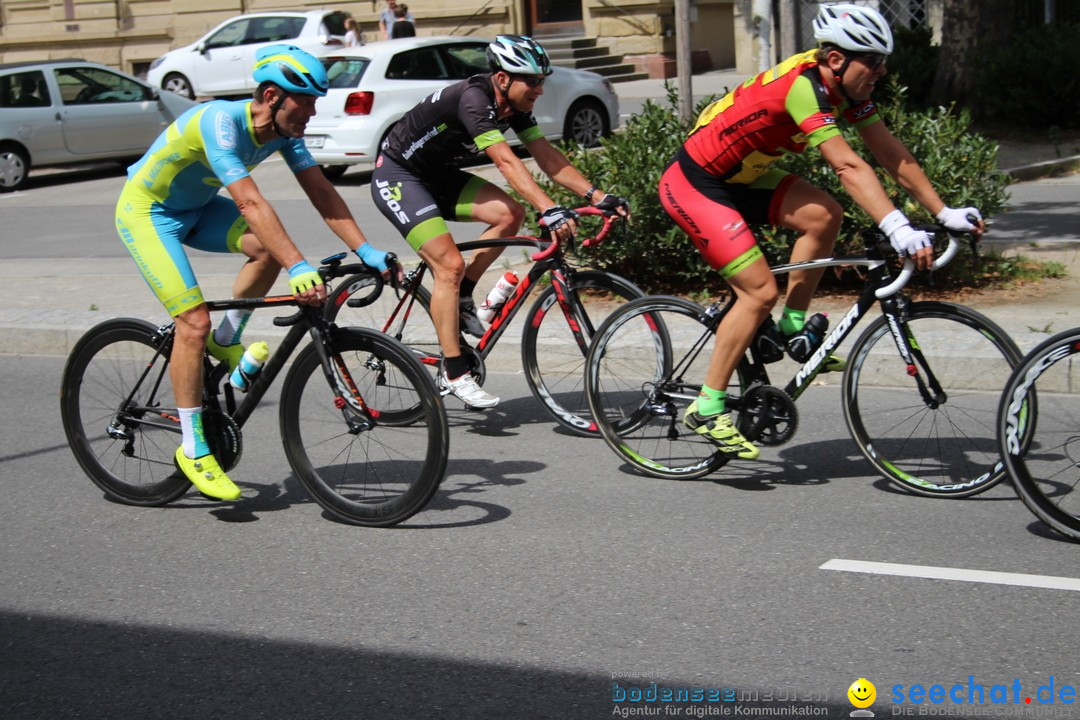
x=721, y=432
x=224, y=353
x=834, y=363
x=207, y=476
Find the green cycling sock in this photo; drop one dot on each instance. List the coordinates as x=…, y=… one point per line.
x=792, y=321
x=711, y=402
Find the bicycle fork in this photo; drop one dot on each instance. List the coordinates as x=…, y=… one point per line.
x=896, y=315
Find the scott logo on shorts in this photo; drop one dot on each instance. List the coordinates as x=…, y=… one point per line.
x=391, y=195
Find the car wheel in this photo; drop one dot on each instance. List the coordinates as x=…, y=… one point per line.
x=14, y=167
x=333, y=172
x=177, y=83
x=586, y=123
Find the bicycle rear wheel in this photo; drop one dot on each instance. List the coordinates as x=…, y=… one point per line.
x=554, y=362
x=1039, y=431
x=946, y=447
x=125, y=445
x=379, y=476
x=645, y=366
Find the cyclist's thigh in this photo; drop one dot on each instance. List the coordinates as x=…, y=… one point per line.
x=153, y=237
x=418, y=209
x=801, y=206
x=219, y=227
x=488, y=203
x=704, y=208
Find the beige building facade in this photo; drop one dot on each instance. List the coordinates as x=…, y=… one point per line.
x=129, y=34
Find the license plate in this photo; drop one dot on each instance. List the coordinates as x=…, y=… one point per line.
x=314, y=141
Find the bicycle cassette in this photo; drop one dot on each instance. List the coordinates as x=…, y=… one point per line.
x=767, y=416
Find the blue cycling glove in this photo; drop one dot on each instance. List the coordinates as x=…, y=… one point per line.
x=302, y=277
x=372, y=257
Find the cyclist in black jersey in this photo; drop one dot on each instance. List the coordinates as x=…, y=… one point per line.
x=418, y=186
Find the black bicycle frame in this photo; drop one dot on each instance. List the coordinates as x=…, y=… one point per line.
x=556, y=265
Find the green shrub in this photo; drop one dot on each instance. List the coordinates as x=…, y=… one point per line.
x=1032, y=82
x=658, y=255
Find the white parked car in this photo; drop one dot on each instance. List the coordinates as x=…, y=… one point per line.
x=373, y=86
x=68, y=112
x=220, y=62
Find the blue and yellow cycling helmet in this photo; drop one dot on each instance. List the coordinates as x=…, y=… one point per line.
x=519, y=55
x=292, y=69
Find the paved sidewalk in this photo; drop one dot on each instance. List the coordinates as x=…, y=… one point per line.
x=54, y=299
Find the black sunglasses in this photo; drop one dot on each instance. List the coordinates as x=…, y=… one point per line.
x=872, y=60
x=531, y=80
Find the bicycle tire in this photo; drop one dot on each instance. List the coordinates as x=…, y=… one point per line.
x=645, y=366
x=554, y=363
x=1039, y=432
x=103, y=369
x=945, y=451
x=399, y=467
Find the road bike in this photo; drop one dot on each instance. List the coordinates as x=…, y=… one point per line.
x=557, y=330
x=339, y=412
x=1038, y=431
x=919, y=392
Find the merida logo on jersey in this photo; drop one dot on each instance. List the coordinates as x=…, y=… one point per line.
x=744, y=121
x=422, y=141
x=224, y=130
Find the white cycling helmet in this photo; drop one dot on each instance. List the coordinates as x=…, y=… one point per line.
x=853, y=27
x=519, y=55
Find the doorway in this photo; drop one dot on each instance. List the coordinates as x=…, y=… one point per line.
x=555, y=17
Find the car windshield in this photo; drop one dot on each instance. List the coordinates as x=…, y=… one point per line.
x=345, y=72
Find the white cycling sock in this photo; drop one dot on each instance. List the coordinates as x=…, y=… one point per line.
x=192, y=427
x=231, y=327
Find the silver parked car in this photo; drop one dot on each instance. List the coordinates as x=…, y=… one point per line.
x=373, y=86
x=65, y=112
x=220, y=62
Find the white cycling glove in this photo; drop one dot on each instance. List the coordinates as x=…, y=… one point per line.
x=905, y=239
x=958, y=218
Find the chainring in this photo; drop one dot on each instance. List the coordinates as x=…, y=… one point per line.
x=224, y=438
x=767, y=416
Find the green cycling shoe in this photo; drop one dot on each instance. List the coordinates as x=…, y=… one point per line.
x=207, y=476
x=225, y=353
x=721, y=431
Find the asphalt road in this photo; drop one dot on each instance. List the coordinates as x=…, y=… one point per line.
x=543, y=580
x=542, y=573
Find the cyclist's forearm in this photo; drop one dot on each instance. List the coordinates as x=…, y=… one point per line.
x=331, y=206
x=263, y=221
x=519, y=178
x=902, y=165
x=555, y=165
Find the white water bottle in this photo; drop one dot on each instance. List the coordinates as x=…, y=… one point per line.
x=497, y=297
x=250, y=365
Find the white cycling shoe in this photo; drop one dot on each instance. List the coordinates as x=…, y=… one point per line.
x=466, y=389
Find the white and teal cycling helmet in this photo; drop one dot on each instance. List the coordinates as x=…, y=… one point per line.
x=519, y=55
x=854, y=28
x=292, y=69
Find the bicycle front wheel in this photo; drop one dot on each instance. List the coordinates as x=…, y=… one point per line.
x=554, y=360
x=645, y=366
x=1039, y=431
x=119, y=415
x=381, y=475
x=943, y=445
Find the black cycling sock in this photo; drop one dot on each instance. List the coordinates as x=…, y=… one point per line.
x=456, y=366
x=467, y=287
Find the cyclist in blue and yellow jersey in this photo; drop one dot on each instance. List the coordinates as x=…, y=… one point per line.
x=171, y=200
x=723, y=178
x=418, y=187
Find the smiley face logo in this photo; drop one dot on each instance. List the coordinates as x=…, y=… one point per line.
x=862, y=693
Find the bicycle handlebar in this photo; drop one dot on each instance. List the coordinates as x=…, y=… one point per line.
x=609, y=219
x=909, y=265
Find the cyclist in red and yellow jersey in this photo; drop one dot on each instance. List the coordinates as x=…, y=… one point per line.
x=722, y=178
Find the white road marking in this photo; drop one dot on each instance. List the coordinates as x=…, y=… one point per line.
x=944, y=573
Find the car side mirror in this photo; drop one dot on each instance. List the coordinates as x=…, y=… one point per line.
x=201, y=48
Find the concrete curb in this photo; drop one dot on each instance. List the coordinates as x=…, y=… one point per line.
x=1049, y=168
